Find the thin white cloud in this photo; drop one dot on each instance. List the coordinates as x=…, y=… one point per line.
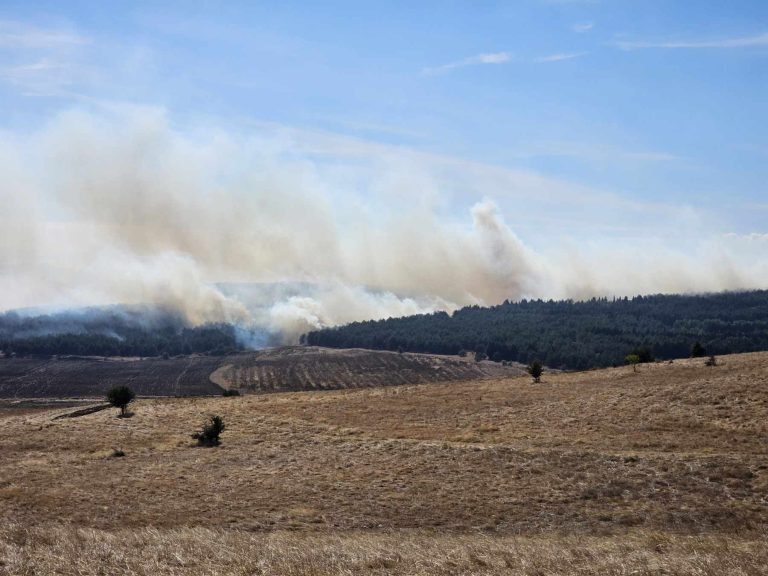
x=594, y=153
x=41, y=77
x=486, y=58
x=751, y=237
x=738, y=42
x=39, y=66
x=582, y=27
x=650, y=156
x=560, y=57
x=19, y=35
x=38, y=60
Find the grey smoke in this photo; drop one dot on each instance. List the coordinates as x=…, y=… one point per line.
x=281, y=235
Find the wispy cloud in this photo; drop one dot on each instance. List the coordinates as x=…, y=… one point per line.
x=751, y=237
x=582, y=27
x=737, y=42
x=41, y=61
x=595, y=153
x=19, y=35
x=560, y=57
x=487, y=58
x=41, y=66
x=42, y=77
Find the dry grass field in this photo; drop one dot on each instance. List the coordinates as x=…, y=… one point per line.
x=663, y=471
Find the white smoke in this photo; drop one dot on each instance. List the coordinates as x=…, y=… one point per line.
x=118, y=206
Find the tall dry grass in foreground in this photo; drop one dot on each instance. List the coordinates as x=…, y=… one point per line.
x=67, y=550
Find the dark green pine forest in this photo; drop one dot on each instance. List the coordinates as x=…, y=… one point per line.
x=573, y=335
x=115, y=331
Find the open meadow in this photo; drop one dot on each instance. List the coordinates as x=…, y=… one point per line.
x=663, y=471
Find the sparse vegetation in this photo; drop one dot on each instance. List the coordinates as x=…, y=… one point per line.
x=632, y=360
x=711, y=361
x=120, y=397
x=535, y=369
x=210, y=434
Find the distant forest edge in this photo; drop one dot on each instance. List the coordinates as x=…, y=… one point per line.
x=112, y=331
x=573, y=335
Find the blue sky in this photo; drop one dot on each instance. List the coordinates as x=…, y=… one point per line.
x=592, y=91
x=584, y=121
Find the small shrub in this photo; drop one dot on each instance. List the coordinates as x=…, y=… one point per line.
x=535, y=369
x=117, y=453
x=209, y=435
x=711, y=361
x=231, y=393
x=633, y=360
x=120, y=397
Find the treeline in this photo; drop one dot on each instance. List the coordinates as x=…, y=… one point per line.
x=573, y=335
x=112, y=332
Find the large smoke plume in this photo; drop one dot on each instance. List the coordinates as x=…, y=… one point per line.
x=289, y=233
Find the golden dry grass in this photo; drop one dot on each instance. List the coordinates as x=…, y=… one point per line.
x=585, y=473
x=184, y=551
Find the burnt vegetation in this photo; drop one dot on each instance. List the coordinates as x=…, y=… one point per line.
x=573, y=335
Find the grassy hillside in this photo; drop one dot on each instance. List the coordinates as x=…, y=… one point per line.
x=575, y=335
x=602, y=472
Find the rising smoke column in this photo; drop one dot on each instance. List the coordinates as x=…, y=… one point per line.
x=117, y=206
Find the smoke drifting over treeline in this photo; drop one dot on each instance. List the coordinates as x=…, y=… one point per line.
x=113, y=331
x=282, y=233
